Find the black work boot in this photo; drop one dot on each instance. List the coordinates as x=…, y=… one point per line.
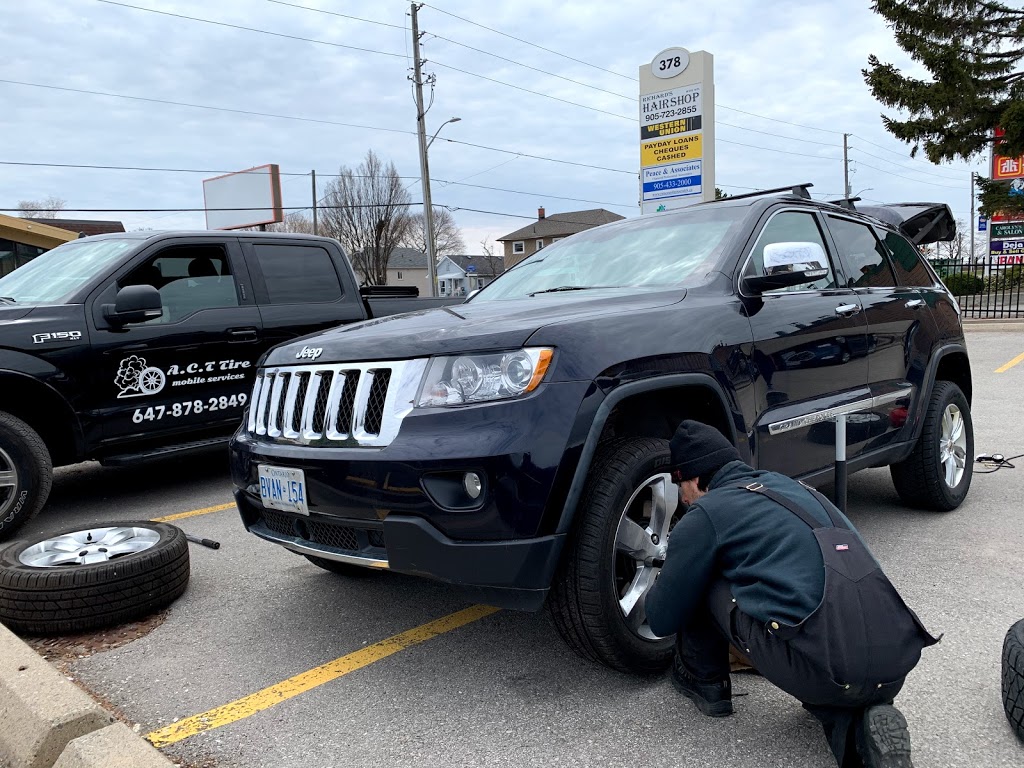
x=713, y=698
x=884, y=738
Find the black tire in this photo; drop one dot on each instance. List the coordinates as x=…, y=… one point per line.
x=919, y=479
x=583, y=601
x=77, y=598
x=1013, y=678
x=24, y=452
x=345, y=569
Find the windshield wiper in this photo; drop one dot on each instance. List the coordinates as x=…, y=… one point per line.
x=7, y=300
x=561, y=288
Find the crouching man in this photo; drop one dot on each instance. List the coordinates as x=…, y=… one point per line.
x=765, y=563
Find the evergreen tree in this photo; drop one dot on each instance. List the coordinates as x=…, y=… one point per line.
x=973, y=50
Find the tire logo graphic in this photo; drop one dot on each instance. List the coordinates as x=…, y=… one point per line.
x=137, y=379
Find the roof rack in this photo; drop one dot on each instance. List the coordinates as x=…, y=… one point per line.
x=800, y=190
x=846, y=202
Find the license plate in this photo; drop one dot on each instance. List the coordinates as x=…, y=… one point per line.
x=283, y=488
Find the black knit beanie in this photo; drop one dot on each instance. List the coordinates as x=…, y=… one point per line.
x=698, y=449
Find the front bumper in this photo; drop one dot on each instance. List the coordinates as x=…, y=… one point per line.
x=380, y=507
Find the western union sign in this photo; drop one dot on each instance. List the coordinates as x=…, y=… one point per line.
x=672, y=150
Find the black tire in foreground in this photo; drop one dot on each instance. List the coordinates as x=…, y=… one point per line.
x=1013, y=677
x=937, y=475
x=26, y=474
x=600, y=577
x=345, y=569
x=90, y=578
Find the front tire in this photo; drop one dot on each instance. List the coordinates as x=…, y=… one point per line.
x=624, y=515
x=937, y=475
x=26, y=474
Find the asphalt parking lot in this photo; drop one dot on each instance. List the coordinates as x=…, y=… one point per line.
x=284, y=666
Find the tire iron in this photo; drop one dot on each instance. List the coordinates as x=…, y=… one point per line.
x=205, y=542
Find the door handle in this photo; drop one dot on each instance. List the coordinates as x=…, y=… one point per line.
x=243, y=334
x=847, y=310
x=914, y=304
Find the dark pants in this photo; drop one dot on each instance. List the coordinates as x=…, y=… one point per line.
x=703, y=649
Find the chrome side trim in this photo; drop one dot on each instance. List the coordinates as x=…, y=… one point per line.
x=293, y=544
x=817, y=417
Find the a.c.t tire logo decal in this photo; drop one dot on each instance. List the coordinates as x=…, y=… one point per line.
x=136, y=379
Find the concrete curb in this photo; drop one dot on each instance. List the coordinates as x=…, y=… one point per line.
x=41, y=712
x=115, y=746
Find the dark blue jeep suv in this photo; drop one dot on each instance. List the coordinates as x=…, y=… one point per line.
x=516, y=444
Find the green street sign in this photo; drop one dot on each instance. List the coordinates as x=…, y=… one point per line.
x=1007, y=230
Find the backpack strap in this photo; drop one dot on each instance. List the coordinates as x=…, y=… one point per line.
x=803, y=514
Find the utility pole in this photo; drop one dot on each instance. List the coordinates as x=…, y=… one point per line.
x=846, y=167
x=316, y=229
x=972, y=224
x=421, y=131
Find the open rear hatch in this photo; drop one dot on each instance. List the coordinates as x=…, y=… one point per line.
x=923, y=223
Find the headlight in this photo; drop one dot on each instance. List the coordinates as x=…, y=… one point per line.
x=480, y=378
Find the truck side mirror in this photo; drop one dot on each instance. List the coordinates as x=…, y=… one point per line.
x=787, y=265
x=134, y=304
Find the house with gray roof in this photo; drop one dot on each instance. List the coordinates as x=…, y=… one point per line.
x=460, y=275
x=549, y=229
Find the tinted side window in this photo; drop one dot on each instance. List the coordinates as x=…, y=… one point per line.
x=791, y=227
x=189, y=278
x=298, y=274
x=863, y=256
x=910, y=270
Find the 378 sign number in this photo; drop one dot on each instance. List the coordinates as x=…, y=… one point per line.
x=672, y=63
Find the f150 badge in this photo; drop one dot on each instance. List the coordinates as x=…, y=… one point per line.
x=40, y=338
x=309, y=353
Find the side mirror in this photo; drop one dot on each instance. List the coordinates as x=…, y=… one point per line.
x=787, y=265
x=134, y=304
x=473, y=293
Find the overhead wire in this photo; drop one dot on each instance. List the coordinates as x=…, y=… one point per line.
x=906, y=167
x=908, y=178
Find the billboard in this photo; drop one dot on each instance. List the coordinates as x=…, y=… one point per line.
x=1006, y=235
x=247, y=198
x=677, y=102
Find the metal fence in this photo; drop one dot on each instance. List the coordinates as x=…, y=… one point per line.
x=990, y=288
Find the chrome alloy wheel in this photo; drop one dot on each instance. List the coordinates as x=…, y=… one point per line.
x=8, y=482
x=953, y=446
x=95, y=545
x=640, y=539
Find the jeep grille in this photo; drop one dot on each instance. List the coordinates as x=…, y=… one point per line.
x=358, y=404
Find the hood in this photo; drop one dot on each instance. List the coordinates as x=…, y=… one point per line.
x=11, y=312
x=474, y=327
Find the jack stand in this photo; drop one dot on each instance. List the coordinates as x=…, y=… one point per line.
x=840, y=482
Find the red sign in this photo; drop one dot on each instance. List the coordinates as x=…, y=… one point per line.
x=1004, y=168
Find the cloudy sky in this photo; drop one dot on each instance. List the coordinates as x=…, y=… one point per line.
x=787, y=81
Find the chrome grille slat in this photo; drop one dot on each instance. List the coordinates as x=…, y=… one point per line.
x=343, y=404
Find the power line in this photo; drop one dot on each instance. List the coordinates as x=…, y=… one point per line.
x=781, y=151
x=906, y=167
x=777, y=120
x=777, y=135
x=908, y=178
x=527, y=90
x=200, y=210
x=341, y=15
x=527, y=42
x=898, y=154
x=311, y=120
x=251, y=29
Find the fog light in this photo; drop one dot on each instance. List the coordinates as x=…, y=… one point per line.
x=473, y=485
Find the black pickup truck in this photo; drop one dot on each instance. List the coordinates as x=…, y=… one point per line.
x=517, y=444
x=133, y=346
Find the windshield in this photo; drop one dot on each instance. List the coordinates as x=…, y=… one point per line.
x=646, y=252
x=56, y=275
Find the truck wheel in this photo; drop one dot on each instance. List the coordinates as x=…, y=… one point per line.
x=345, y=569
x=937, y=475
x=598, y=598
x=1013, y=677
x=25, y=474
x=93, y=577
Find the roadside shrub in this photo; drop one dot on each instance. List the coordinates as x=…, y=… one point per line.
x=964, y=284
x=1008, y=279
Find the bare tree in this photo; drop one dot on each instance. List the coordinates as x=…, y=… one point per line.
x=447, y=235
x=959, y=248
x=366, y=210
x=295, y=221
x=495, y=262
x=41, y=209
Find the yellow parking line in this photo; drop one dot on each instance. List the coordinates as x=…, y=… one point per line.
x=1004, y=368
x=193, y=513
x=293, y=686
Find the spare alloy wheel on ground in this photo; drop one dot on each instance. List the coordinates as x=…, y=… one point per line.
x=89, y=578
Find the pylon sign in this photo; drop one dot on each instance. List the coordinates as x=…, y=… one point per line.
x=677, y=130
